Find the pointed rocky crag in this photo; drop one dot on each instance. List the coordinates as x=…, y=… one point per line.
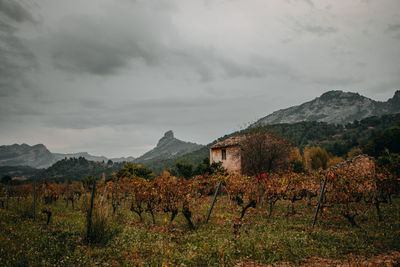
x=334, y=107
x=168, y=147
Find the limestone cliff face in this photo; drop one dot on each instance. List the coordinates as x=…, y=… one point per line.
x=334, y=107
x=168, y=147
x=37, y=156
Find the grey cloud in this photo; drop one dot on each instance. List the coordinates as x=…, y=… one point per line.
x=309, y=2
x=307, y=25
x=15, y=58
x=83, y=45
x=138, y=112
x=333, y=82
x=15, y=11
x=385, y=86
x=320, y=30
x=393, y=27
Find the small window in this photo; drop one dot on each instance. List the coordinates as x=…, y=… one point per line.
x=223, y=154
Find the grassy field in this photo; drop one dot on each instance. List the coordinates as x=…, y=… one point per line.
x=279, y=239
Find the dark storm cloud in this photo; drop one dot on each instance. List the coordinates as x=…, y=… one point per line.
x=104, y=47
x=15, y=58
x=86, y=46
x=15, y=11
x=393, y=27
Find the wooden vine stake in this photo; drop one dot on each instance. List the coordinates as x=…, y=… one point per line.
x=90, y=212
x=319, y=201
x=34, y=200
x=116, y=196
x=7, y=194
x=213, y=202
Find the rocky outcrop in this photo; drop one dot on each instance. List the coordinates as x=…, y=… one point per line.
x=168, y=147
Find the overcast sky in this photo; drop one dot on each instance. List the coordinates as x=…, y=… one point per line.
x=111, y=76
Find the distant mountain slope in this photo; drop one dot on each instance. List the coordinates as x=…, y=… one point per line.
x=168, y=147
x=334, y=107
x=37, y=156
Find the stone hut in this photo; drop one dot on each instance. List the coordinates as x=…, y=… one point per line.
x=228, y=152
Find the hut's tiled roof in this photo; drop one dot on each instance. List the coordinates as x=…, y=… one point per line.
x=231, y=141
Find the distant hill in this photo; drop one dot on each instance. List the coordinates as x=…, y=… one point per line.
x=76, y=169
x=60, y=156
x=168, y=147
x=37, y=156
x=334, y=107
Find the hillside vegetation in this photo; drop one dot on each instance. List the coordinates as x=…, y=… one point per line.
x=337, y=139
x=76, y=169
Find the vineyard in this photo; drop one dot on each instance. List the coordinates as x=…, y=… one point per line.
x=348, y=213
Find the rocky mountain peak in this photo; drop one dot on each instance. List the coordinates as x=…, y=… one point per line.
x=333, y=93
x=168, y=137
x=168, y=147
x=334, y=107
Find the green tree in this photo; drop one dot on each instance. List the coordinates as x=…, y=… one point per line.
x=141, y=171
x=388, y=140
x=184, y=169
x=263, y=153
x=6, y=179
x=316, y=157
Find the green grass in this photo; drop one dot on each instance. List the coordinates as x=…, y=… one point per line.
x=128, y=242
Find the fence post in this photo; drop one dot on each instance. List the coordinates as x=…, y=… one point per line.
x=89, y=222
x=213, y=202
x=7, y=194
x=319, y=201
x=34, y=200
x=116, y=195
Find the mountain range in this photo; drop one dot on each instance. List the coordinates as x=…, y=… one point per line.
x=334, y=107
x=38, y=156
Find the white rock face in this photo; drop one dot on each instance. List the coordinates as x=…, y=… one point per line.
x=333, y=107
